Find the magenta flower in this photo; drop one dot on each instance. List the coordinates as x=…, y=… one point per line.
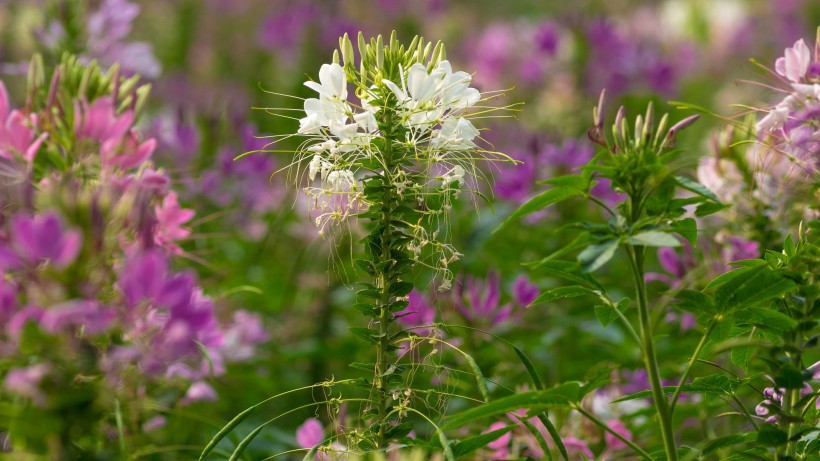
x=418, y=313
x=612, y=442
x=119, y=144
x=310, y=433
x=524, y=292
x=170, y=218
x=92, y=316
x=501, y=444
x=17, y=131
x=42, y=237
x=100, y=122
x=478, y=301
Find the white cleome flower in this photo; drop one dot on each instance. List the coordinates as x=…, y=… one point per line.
x=455, y=134
x=332, y=82
x=455, y=174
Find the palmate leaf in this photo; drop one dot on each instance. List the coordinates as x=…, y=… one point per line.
x=571, y=271
x=716, y=384
x=751, y=286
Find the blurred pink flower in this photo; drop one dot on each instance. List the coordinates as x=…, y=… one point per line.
x=17, y=131
x=25, y=382
x=170, y=218
x=612, y=442
x=310, y=433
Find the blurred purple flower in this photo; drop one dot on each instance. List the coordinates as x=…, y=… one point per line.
x=619, y=64
x=515, y=182
x=42, y=237
x=8, y=300
x=23, y=316
x=199, y=391
x=242, y=335
x=107, y=30
x=283, y=30
x=738, y=248
x=157, y=422
x=572, y=153
x=25, y=382
x=92, y=316
x=478, y=300
x=546, y=38
x=524, y=292
x=418, y=313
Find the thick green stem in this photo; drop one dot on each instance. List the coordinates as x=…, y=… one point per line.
x=384, y=299
x=636, y=260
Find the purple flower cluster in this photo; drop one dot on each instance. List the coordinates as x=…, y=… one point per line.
x=106, y=30
x=86, y=249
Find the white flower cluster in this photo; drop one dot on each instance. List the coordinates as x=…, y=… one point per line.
x=340, y=134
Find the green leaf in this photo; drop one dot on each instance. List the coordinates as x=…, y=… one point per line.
x=536, y=380
x=789, y=377
x=571, y=271
x=709, y=208
x=541, y=201
x=571, y=291
x=727, y=441
x=572, y=181
x=687, y=228
x=742, y=355
x=479, y=377
x=227, y=429
x=696, y=302
x=399, y=289
x=696, y=187
x=653, y=239
x=770, y=436
x=398, y=431
x=595, y=256
x=467, y=446
x=606, y=314
x=365, y=334
x=766, y=318
x=558, y=396
x=751, y=286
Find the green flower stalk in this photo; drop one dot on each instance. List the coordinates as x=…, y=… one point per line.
x=397, y=155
